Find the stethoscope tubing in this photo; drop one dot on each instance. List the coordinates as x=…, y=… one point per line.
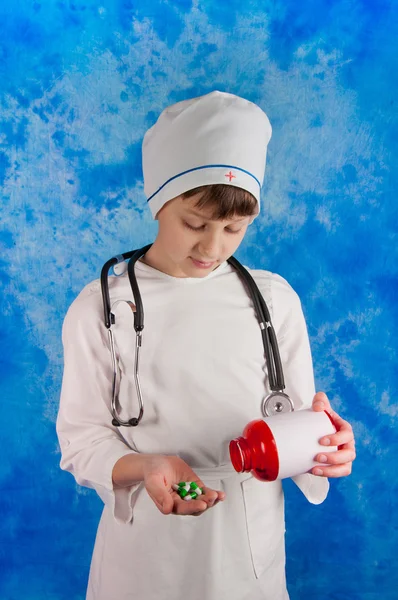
x=274, y=363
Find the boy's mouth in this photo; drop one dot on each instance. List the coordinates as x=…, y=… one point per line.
x=201, y=264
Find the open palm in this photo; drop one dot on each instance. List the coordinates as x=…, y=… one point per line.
x=162, y=472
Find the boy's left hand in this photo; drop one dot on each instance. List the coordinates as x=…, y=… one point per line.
x=339, y=463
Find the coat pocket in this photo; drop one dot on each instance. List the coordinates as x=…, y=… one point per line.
x=265, y=521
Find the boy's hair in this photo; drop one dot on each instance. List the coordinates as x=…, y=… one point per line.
x=227, y=201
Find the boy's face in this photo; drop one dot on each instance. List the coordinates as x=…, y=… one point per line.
x=189, y=243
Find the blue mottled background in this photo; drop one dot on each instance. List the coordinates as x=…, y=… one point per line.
x=80, y=83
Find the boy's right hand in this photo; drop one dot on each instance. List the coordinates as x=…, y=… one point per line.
x=161, y=472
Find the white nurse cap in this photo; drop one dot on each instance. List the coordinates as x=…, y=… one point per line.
x=216, y=138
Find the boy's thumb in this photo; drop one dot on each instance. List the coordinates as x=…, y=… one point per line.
x=157, y=490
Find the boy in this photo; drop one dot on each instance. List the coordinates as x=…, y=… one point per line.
x=202, y=373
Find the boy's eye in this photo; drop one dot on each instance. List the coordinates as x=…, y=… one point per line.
x=193, y=228
x=202, y=227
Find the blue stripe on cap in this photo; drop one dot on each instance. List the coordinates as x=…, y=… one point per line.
x=205, y=167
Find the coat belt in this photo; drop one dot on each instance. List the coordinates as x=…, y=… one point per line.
x=222, y=472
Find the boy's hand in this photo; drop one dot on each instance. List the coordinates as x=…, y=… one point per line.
x=161, y=472
x=339, y=462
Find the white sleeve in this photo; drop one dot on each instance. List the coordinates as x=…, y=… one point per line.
x=294, y=348
x=90, y=444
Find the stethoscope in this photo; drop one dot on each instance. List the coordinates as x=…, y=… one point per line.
x=275, y=402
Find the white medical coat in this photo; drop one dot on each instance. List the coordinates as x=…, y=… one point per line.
x=203, y=378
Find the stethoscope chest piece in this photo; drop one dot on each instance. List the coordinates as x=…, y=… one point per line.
x=276, y=403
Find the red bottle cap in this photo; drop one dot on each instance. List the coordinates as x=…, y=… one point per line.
x=262, y=459
x=240, y=455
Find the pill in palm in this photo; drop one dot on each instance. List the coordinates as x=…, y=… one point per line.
x=191, y=496
x=196, y=488
x=188, y=490
x=183, y=485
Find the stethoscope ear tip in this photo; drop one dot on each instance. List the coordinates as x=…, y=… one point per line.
x=132, y=422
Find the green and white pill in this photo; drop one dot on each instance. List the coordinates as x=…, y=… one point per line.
x=191, y=496
x=189, y=490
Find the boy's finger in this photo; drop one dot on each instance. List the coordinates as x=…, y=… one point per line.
x=219, y=499
x=336, y=458
x=209, y=496
x=321, y=402
x=345, y=435
x=208, y=499
x=190, y=507
x=333, y=471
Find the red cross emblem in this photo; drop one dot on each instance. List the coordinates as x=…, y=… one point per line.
x=230, y=176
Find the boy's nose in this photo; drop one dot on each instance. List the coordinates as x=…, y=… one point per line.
x=210, y=246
